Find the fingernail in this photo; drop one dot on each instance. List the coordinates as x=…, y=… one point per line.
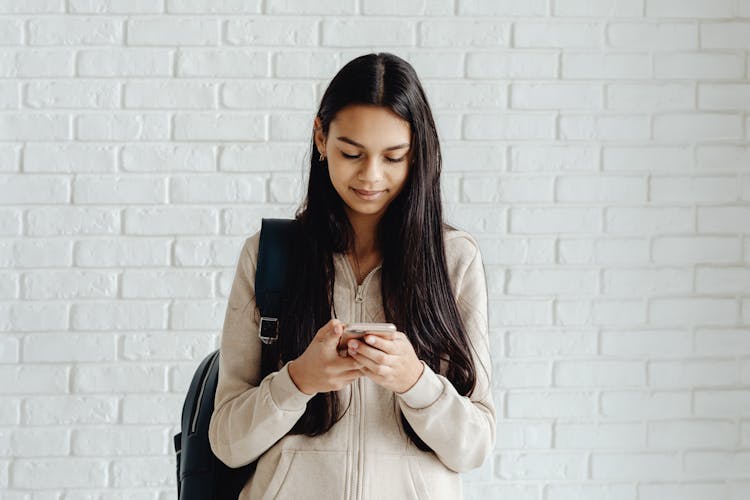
x=353, y=344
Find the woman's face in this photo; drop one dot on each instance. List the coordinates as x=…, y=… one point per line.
x=368, y=152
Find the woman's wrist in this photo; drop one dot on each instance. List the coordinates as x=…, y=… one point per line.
x=419, y=370
x=297, y=378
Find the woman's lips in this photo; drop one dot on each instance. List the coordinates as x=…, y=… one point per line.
x=368, y=195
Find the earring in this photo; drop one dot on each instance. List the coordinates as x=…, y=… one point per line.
x=321, y=157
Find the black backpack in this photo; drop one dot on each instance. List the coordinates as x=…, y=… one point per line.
x=200, y=473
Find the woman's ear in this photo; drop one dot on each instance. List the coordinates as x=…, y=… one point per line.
x=318, y=134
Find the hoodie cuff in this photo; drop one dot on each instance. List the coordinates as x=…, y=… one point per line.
x=425, y=391
x=285, y=393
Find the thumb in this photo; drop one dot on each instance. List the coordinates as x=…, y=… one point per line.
x=335, y=331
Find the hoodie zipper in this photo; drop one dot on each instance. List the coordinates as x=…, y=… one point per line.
x=359, y=299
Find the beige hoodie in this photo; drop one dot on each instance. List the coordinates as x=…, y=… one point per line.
x=365, y=455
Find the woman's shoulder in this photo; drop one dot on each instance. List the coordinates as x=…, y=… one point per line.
x=459, y=245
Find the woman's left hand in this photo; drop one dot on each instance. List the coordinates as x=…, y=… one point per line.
x=389, y=362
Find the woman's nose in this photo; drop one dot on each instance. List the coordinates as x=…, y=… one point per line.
x=371, y=170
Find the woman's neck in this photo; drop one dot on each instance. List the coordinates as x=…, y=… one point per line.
x=365, y=241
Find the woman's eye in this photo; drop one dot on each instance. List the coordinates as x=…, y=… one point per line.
x=391, y=160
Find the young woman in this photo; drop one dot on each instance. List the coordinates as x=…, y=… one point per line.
x=387, y=416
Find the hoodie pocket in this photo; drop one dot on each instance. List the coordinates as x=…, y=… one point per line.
x=308, y=474
x=395, y=476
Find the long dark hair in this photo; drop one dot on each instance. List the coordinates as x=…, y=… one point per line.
x=416, y=291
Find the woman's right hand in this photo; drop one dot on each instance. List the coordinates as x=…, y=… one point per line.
x=320, y=368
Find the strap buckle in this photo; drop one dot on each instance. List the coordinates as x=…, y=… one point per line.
x=270, y=325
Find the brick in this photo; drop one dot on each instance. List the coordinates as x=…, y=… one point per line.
x=463, y=33
x=290, y=126
x=730, y=219
x=364, y=33
x=11, y=32
x=628, y=97
x=692, y=373
x=327, y=7
x=646, y=344
x=698, y=65
x=635, y=404
x=214, y=6
x=166, y=284
x=32, y=6
x=145, y=62
x=68, y=347
x=555, y=96
x=647, y=220
x=36, y=442
x=268, y=94
x=599, y=436
x=548, y=404
x=118, y=189
x=729, y=97
x=168, y=158
x=68, y=158
x=151, y=409
x=127, y=315
x=557, y=34
x=553, y=158
x=122, y=127
x=646, y=282
x=30, y=126
x=722, y=465
x=507, y=126
x=611, y=65
x=499, y=64
x=115, y=6
x=261, y=157
x=118, y=441
x=141, y=472
x=600, y=189
x=122, y=252
x=555, y=220
x=75, y=30
x=693, y=311
x=166, y=346
x=722, y=342
x=647, y=159
x=9, y=346
x=510, y=8
x=544, y=282
x=38, y=252
x=621, y=251
x=484, y=157
x=690, y=8
x=305, y=64
x=733, y=35
x=603, y=8
x=225, y=62
x=605, y=127
x=68, y=472
x=271, y=31
x=720, y=403
x=69, y=285
x=72, y=94
x=35, y=379
x=648, y=35
x=192, y=315
x=35, y=189
x=285, y=188
x=732, y=280
x=120, y=377
x=697, y=127
x=168, y=94
x=173, y=30
x=609, y=373
x=695, y=249
x=219, y=127
x=407, y=7
x=529, y=466
x=72, y=221
x=693, y=189
x=170, y=220
x=467, y=96
x=37, y=63
x=629, y=466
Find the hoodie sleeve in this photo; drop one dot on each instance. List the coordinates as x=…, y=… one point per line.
x=249, y=415
x=459, y=429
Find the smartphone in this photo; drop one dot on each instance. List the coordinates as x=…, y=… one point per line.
x=356, y=330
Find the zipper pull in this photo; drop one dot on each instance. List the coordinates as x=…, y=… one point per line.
x=359, y=297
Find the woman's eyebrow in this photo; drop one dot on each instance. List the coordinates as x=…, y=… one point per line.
x=346, y=139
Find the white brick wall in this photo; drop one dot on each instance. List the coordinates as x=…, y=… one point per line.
x=598, y=149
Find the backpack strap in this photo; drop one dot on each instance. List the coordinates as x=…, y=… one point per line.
x=271, y=273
